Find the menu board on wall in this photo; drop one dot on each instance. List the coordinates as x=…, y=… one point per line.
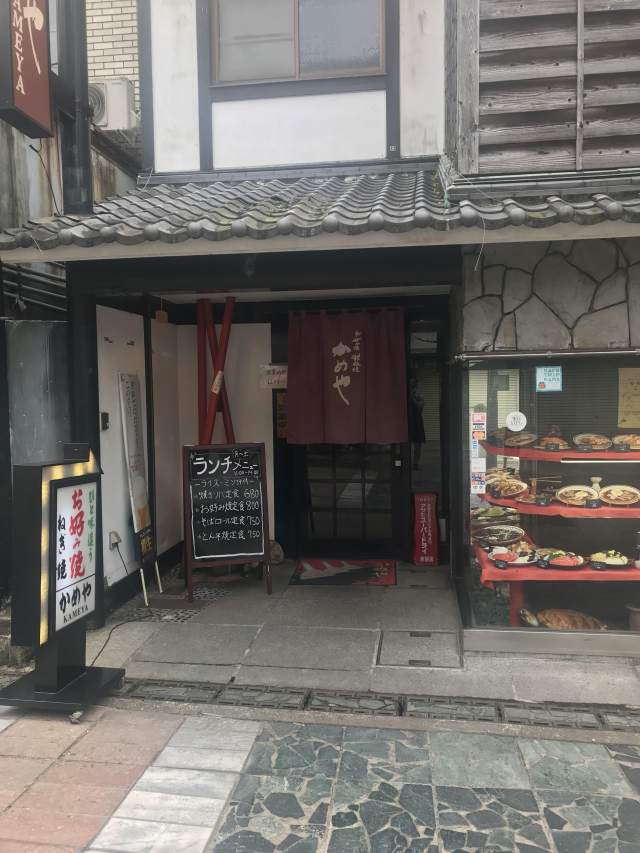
x=628, y=397
x=225, y=513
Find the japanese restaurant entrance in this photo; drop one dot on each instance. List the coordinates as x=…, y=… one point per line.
x=352, y=499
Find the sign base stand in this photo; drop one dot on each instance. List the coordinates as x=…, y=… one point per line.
x=76, y=695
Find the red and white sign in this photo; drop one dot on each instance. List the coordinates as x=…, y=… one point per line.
x=25, y=99
x=75, y=553
x=425, y=529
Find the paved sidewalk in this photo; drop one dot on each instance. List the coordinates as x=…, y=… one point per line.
x=137, y=782
x=342, y=638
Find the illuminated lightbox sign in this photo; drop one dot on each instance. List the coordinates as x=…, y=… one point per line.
x=25, y=95
x=75, y=552
x=56, y=515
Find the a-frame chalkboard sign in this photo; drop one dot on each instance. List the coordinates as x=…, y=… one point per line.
x=226, y=518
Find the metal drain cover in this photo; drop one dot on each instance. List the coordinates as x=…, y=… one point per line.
x=420, y=649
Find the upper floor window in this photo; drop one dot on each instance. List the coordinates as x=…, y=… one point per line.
x=267, y=40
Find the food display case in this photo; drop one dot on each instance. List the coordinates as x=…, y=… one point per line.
x=554, y=492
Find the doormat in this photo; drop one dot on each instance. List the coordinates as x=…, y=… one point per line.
x=345, y=573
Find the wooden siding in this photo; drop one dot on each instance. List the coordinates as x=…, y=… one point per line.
x=556, y=85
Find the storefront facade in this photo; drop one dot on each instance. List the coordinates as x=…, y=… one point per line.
x=385, y=173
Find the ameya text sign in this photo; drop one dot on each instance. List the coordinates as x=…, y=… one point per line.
x=75, y=564
x=29, y=64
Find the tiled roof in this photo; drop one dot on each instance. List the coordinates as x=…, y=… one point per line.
x=309, y=206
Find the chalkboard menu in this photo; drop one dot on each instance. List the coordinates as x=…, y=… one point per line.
x=225, y=513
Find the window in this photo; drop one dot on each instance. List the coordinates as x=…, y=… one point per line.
x=267, y=40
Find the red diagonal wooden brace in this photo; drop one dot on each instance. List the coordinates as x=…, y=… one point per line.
x=202, y=370
x=218, y=371
x=213, y=346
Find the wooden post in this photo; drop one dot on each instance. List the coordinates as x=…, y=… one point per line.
x=468, y=48
x=213, y=346
x=202, y=370
x=218, y=372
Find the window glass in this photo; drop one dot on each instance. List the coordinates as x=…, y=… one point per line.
x=339, y=35
x=554, y=476
x=256, y=40
x=53, y=35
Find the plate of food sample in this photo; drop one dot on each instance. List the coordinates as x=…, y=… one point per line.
x=620, y=495
x=559, y=559
x=513, y=556
x=520, y=439
x=630, y=440
x=576, y=495
x=499, y=534
x=507, y=488
x=552, y=443
x=592, y=441
x=609, y=560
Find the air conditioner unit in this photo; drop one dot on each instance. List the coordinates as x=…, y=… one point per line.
x=112, y=103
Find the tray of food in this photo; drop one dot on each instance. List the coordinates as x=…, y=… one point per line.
x=556, y=558
x=609, y=560
x=520, y=439
x=552, y=443
x=491, y=514
x=626, y=441
x=507, y=488
x=576, y=495
x=591, y=441
x=620, y=495
x=519, y=554
x=499, y=534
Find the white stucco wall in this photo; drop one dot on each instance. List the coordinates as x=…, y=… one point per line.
x=120, y=340
x=350, y=126
x=174, y=61
x=422, y=77
x=251, y=406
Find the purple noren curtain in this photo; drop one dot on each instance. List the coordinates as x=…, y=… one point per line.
x=347, y=378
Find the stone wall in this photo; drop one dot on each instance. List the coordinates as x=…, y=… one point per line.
x=552, y=296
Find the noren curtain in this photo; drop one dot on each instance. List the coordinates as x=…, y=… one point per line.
x=347, y=378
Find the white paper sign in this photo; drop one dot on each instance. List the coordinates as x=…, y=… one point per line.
x=76, y=514
x=516, y=421
x=273, y=375
x=548, y=379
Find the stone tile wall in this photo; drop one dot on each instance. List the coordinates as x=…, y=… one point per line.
x=552, y=296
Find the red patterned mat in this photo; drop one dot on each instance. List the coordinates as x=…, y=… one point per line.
x=345, y=573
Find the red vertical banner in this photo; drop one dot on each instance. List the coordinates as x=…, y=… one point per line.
x=425, y=529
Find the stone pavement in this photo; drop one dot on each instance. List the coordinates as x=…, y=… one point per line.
x=394, y=640
x=124, y=781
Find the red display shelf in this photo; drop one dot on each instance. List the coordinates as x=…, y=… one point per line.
x=491, y=574
x=564, y=511
x=559, y=455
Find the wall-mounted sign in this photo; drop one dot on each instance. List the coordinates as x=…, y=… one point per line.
x=25, y=97
x=628, y=397
x=548, y=379
x=273, y=375
x=131, y=410
x=516, y=421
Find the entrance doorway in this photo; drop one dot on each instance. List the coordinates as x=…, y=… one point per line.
x=352, y=500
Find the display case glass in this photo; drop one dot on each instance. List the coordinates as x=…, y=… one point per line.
x=554, y=493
